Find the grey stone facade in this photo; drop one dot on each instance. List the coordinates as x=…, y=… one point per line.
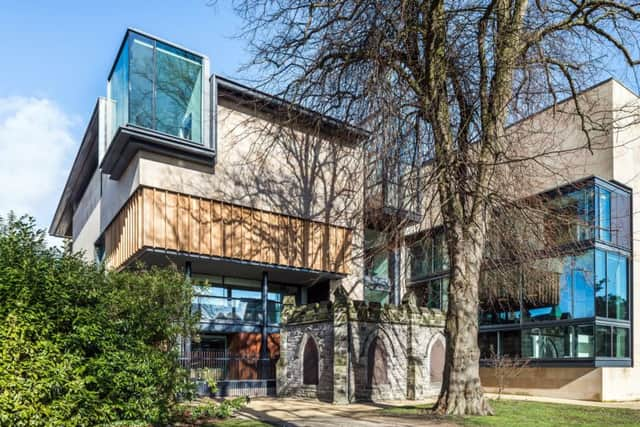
x=365, y=351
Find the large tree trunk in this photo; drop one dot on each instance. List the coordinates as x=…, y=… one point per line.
x=461, y=392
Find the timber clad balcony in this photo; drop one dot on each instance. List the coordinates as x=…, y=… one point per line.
x=164, y=220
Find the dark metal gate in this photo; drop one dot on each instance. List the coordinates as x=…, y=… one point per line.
x=233, y=375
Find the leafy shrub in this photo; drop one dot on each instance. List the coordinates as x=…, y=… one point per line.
x=80, y=346
x=206, y=411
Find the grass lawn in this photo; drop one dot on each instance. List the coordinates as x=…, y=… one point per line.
x=535, y=414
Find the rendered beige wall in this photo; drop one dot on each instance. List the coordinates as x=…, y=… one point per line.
x=86, y=219
x=624, y=383
x=565, y=382
x=265, y=166
x=547, y=150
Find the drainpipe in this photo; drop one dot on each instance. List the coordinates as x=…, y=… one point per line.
x=185, y=342
x=264, y=351
x=395, y=272
x=349, y=368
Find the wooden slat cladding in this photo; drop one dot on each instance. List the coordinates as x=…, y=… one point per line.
x=154, y=218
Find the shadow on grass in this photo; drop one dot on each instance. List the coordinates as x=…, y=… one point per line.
x=510, y=413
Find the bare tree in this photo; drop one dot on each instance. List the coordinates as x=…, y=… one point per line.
x=449, y=78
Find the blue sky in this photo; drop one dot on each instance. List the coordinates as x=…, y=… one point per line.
x=54, y=62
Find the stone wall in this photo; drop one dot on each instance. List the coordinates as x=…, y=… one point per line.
x=365, y=351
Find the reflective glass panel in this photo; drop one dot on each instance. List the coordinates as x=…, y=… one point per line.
x=119, y=88
x=603, y=341
x=557, y=342
x=500, y=296
x=617, y=286
x=428, y=256
x=601, y=283
x=604, y=214
x=511, y=342
x=621, y=219
x=141, y=83
x=178, y=93
x=620, y=342
x=433, y=293
x=376, y=295
x=488, y=343
x=559, y=288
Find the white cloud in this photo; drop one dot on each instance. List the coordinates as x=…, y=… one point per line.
x=36, y=150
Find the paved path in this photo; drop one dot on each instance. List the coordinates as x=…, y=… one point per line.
x=311, y=413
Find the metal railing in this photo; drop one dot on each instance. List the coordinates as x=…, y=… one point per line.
x=220, y=366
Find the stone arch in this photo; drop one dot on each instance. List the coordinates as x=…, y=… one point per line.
x=310, y=361
x=436, y=357
x=377, y=363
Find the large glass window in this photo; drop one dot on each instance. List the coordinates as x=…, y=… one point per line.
x=510, y=343
x=612, y=285
x=229, y=299
x=141, y=81
x=118, y=88
x=613, y=222
x=159, y=87
x=376, y=258
x=376, y=294
x=559, y=288
x=178, y=92
x=500, y=296
x=427, y=255
x=570, y=217
x=603, y=201
x=612, y=341
x=433, y=293
x=617, y=286
x=558, y=342
x=488, y=343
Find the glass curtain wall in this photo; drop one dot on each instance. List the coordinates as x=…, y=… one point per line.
x=570, y=306
x=157, y=86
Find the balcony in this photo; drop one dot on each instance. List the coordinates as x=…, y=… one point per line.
x=157, y=99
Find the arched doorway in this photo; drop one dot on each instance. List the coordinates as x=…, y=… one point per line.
x=377, y=363
x=310, y=363
x=436, y=361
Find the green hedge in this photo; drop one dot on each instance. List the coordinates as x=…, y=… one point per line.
x=81, y=347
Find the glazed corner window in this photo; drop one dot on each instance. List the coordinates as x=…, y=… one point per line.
x=612, y=277
x=157, y=86
x=612, y=341
x=613, y=219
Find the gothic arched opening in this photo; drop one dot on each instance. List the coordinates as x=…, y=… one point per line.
x=310, y=363
x=377, y=363
x=436, y=361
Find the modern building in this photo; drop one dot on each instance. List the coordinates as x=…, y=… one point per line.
x=281, y=216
